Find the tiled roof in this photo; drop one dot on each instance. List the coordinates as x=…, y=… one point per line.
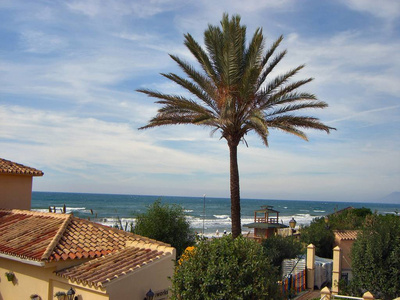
x=87, y=239
x=346, y=234
x=28, y=234
x=53, y=237
x=9, y=167
x=103, y=270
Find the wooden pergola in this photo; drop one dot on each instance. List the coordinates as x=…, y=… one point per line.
x=266, y=222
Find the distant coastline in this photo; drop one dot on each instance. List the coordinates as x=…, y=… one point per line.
x=393, y=198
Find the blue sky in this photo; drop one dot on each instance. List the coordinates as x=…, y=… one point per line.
x=68, y=106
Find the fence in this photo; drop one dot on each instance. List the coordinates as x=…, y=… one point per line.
x=327, y=295
x=294, y=284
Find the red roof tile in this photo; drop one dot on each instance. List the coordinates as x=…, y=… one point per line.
x=52, y=237
x=9, y=167
x=101, y=271
x=29, y=234
x=346, y=234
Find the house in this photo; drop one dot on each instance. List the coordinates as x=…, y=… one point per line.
x=48, y=253
x=266, y=223
x=16, y=184
x=345, y=239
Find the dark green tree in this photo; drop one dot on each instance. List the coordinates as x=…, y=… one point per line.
x=233, y=94
x=320, y=231
x=320, y=235
x=349, y=219
x=376, y=257
x=225, y=269
x=279, y=248
x=166, y=223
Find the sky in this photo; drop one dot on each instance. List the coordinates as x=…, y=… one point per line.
x=69, y=71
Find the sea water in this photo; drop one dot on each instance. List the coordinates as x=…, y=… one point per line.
x=214, y=213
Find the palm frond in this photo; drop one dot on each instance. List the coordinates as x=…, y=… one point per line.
x=287, y=89
x=271, y=50
x=171, y=120
x=202, y=81
x=256, y=122
x=276, y=100
x=296, y=107
x=298, y=121
x=173, y=102
x=201, y=56
x=293, y=130
x=192, y=88
x=165, y=98
x=252, y=66
x=236, y=42
x=213, y=42
x=277, y=82
x=268, y=69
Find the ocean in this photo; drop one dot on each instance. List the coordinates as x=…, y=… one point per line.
x=107, y=209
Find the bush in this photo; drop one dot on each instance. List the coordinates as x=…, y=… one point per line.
x=376, y=257
x=320, y=234
x=166, y=223
x=279, y=248
x=225, y=269
x=349, y=219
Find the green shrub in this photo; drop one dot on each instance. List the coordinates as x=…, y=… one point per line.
x=376, y=257
x=279, y=248
x=166, y=223
x=349, y=219
x=225, y=269
x=320, y=233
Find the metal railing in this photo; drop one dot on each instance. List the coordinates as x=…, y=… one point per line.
x=266, y=220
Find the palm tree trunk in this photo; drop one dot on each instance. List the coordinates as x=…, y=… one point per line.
x=235, y=192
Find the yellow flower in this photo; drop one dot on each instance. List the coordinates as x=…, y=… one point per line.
x=186, y=254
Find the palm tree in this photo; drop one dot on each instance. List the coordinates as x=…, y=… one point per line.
x=233, y=94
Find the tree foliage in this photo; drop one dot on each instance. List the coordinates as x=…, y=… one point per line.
x=235, y=93
x=166, y=223
x=320, y=235
x=376, y=257
x=349, y=219
x=278, y=248
x=225, y=269
x=320, y=232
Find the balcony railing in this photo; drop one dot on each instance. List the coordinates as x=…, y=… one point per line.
x=265, y=220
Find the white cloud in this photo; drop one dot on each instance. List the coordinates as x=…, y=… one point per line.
x=40, y=42
x=69, y=106
x=385, y=9
x=139, y=8
x=65, y=143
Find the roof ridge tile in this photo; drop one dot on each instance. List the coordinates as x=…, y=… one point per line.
x=10, y=167
x=151, y=246
x=56, y=238
x=35, y=213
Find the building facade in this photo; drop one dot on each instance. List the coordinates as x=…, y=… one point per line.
x=49, y=253
x=16, y=184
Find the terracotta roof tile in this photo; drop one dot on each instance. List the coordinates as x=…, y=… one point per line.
x=54, y=237
x=9, y=167
x=101, y=271
x=28, y=234
x=346, y=234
